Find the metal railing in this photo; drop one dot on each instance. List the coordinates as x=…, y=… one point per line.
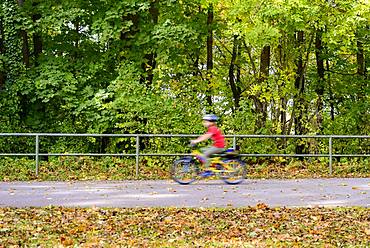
x=137, y=153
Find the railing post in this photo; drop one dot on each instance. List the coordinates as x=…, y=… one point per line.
x=234, y=142
x=331, y=155
x=137, y=155
x=37, y=155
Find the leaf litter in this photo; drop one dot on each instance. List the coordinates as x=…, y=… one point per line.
x=259, y=226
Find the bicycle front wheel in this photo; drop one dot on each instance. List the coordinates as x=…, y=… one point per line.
x=234, y=171
x=184, y=171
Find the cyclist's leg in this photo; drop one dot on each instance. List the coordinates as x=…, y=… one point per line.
x=208, y=151
x=203, y=157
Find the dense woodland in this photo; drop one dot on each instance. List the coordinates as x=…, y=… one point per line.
x=155, y=66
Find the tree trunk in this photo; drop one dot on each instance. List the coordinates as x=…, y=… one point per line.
x=331, y=96
x=2, y=51
x=196, y=62
x=209, y=53
x=361, y=68
x=299, y=82
x=265, y=63
x=283, y=101
x=75, y=52
x=25, y=46
x=299, y=99
x=261, y=105
x=232, y=80
x=150, y=61
x=321, y=74
x=77, y=30
x=285, y=129
x=37, y=40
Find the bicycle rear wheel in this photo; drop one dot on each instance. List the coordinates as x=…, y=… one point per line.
x=184, y=171
x=234, y=171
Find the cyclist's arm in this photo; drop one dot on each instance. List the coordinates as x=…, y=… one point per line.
x=202, y=138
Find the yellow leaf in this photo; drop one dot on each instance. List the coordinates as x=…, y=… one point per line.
x=66, y=241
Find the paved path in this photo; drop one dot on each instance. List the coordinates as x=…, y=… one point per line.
x=165, y=193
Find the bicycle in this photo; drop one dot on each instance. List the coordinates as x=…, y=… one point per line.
x=226, y=165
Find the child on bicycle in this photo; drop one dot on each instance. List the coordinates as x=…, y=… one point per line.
x=214, y=133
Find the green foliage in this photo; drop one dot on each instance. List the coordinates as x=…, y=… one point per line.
x=140, y=66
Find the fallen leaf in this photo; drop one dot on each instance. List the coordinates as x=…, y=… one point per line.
x=171, y=190
x=261, y=206
x=66, y=241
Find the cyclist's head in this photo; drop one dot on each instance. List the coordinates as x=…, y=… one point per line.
x=210, y=118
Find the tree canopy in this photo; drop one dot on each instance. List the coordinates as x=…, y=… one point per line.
x=150, y=66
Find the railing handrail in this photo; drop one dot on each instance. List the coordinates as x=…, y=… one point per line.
x=137, y=154
x=187, y=135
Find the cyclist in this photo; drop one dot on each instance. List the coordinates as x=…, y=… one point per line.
x=214, y=133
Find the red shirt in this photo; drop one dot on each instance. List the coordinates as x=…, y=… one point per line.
x=217, y=137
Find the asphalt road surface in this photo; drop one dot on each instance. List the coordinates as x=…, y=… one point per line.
x=166, y=193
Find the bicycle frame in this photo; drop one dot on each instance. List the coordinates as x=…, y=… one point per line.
x=214, y=161
x=227, y=166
